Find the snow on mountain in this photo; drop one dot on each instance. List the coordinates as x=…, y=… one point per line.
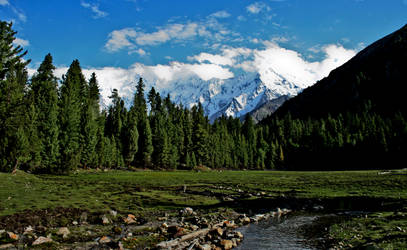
x=230, y=97
x=232, y=83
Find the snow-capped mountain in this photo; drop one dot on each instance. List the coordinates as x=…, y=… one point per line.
x=231, y=97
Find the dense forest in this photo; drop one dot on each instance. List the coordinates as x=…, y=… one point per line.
x=51, y=125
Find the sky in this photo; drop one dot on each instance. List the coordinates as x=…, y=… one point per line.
x=175, y=39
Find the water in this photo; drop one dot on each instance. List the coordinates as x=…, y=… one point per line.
x=276, y=234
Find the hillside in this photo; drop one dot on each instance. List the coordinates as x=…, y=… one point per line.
x=376, y=76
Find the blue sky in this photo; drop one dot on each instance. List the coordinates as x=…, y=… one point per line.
x=167, y=41
x=120, y=33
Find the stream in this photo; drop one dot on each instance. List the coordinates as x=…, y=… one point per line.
x=276, y=233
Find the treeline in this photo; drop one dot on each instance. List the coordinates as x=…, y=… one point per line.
x=55, y=126
x=51, y=125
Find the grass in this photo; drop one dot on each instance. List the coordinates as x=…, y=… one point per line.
x=127, y=191
x=149, y=192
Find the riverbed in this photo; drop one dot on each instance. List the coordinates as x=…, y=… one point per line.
x=277, y=233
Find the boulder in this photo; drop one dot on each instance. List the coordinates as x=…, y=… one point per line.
x=246, y=220
x=42, y=240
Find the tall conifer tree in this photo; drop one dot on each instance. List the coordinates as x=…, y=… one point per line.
x=71, y=102
x=45, y=94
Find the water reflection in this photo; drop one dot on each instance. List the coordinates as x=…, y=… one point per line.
x=276, y=233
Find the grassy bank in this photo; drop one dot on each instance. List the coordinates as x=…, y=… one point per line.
x=149, y=194
x=126, y=191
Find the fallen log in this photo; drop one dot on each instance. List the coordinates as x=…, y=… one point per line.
x=190, y=236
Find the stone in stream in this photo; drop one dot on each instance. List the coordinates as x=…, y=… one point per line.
x=246, y=220
x=42, y=240
x=239, y=235
x=226, y=244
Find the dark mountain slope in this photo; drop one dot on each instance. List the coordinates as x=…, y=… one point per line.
x=376, y=77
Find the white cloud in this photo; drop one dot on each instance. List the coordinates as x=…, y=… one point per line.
x=257, y=7
x=293, y=67
x=21, y=42
x=141, y=52
x=130, y=38
x=4, y=2
x=220, y=14
x=288, y=64
x=95, y=9
x=119, y=39
x=208, y=30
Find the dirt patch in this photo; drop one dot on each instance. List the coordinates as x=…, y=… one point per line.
x=55, y=217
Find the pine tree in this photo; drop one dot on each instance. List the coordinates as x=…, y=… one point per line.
x=90, y=124
x=71, y=103
x=145, y=144
x=130, y=138
x=44, y=92
x=14, y=143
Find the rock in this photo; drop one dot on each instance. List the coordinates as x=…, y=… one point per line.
x=226, y=244
x=187, y=211
x=28, y=230
x=229, y=224
x=42, y=240
x=130, y=219
x=239, y=235
x=246, y=220
x=64, y=231
x=12, y=236
x=105, y=220
x=113, y=213
x=216, y=231
x=176, y=231
x=235, y=242
x=7, y=246
x=204, y=247
x=105, y=240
